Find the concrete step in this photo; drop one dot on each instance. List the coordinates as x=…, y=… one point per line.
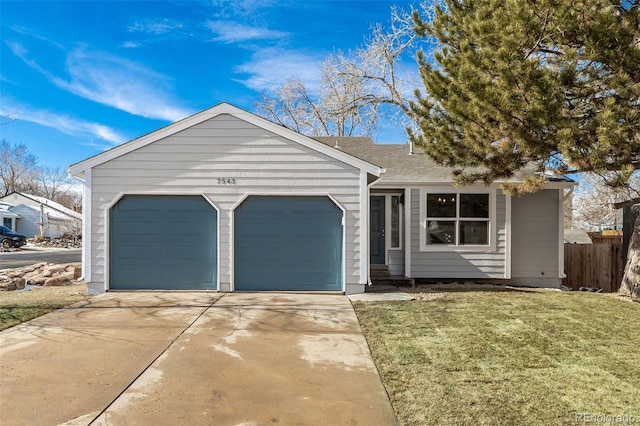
x=393, y=280
x=380, y=271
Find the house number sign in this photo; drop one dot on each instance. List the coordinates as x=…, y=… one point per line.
x=226, y=181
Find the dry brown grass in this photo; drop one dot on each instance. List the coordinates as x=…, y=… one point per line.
x=512, y=356
x=20, y=306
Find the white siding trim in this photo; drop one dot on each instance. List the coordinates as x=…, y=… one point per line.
x=495, y=184
x=290, y=194
x=218, y=240
x=387, y=223
x=86, y=227
x=364, y=228
x=407, y=231
x=561, y=273
x=507, y=251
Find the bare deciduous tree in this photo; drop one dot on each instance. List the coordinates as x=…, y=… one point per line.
x=357, y=89
x=20, y=172
x=18, y=168
x=53, y=183
x=593, y=198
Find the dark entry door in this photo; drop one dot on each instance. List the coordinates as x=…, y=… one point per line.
x=376, y=222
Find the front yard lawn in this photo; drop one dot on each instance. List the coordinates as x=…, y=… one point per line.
x=20, y=306
x=508, y=357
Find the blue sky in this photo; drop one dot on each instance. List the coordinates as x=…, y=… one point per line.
x=80, y=77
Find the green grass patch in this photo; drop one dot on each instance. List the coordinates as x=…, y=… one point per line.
x=21, y=306
x=509, y=357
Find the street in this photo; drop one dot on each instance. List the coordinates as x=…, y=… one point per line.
x=21, y=258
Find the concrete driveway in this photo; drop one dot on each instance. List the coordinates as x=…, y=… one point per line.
x=193, y=358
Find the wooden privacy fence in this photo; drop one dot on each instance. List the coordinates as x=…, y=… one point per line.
x=593, y=265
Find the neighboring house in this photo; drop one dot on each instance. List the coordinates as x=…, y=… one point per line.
x=32, y=210
x=225, y=200
x=7, y=217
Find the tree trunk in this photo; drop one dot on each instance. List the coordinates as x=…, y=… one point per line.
x=630, y=285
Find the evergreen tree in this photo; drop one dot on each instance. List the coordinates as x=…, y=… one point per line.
x=550, y=83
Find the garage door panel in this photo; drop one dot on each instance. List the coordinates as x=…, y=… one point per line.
x=162, y=242
x=288, y=243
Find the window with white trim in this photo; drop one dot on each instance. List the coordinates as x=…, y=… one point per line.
x=457, y=219
x=396, y=222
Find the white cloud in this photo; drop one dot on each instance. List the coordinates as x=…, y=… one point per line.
x=156, y=26
x=232, y=32
x=242, y=7
x=63, y=123
x=113, y=81
x=131, y=44
x=28, y=32
x=270, y=68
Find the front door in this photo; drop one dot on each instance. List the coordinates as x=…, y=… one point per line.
x=376, y=222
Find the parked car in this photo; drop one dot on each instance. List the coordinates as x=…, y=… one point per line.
x=9, y=239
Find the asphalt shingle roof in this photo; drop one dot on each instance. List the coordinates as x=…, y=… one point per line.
x=401, y=166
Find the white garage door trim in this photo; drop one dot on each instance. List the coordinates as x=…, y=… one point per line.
x=107, y=248
x=289, y=194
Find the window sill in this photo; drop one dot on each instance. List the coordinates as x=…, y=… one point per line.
x=458, y=249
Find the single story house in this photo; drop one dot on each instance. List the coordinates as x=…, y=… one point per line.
x=31, y=211
x=7, y=217
x=226, y=200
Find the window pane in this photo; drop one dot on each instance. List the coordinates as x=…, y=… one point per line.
x=441, y=205
x=395, y=221
x=474, y=232
x=441, y=232
x=474, y=205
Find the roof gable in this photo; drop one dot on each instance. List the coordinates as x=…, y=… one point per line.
x=56, y=209
x=224, y=108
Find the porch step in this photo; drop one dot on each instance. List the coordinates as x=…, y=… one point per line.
x=391, y=280
x=380, y=272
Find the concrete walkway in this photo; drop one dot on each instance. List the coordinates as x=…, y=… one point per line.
x=193, y=358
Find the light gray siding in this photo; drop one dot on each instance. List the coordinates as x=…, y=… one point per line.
x=459, y=264
x=535, y=248
x=191, y=162
x=27, y=224
x=396, y=262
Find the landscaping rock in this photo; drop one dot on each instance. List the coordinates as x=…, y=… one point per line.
x=41, y=274
x=61, y=279
x=51, y=270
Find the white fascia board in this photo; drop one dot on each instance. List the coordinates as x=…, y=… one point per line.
x=441, y=184
x=224, y=108
x=86, y=226
x=402, y=184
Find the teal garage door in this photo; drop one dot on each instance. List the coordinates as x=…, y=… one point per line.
x=162, y=242
x=288, y=244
